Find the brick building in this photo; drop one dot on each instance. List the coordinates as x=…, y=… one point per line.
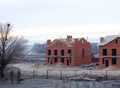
x=109, y=51
x=69, y=51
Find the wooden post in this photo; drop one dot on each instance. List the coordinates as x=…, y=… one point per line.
x=11, y=76
x=90, y=71
x=70, y=83
x=18, y=77
x=75, y=72
x=106, y=75
x=60, y=74
x=33, y=73
x=47, y=74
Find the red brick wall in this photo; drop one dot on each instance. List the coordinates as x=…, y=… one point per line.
x=58, y=45
x=78, y=47
x=109, y=48
x=76, y=50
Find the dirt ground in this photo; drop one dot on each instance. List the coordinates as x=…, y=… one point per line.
x=50, y=83
x=68, y=74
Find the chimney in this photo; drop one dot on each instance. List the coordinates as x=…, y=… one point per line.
x=101, y=39
x=48, y=42
x=69, y=37
x=76, y=40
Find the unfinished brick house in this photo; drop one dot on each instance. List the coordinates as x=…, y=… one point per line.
x=109, y=51
x=69, y=51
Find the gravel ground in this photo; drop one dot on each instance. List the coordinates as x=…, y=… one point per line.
x=54, y=70
x=50, y=83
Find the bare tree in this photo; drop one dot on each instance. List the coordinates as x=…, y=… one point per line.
x=10, y=47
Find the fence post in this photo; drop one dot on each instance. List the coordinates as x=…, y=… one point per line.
x=60, y=74
x=70, y=83
x=18, y=77
x=47, y=74
x=106, y=75
x=90, y=71
x=33, y=73
x=75, y=72
x=11, y=76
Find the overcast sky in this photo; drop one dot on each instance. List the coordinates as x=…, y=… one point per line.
x=39, y=20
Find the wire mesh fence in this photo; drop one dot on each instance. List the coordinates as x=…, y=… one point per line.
x=71, y=74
